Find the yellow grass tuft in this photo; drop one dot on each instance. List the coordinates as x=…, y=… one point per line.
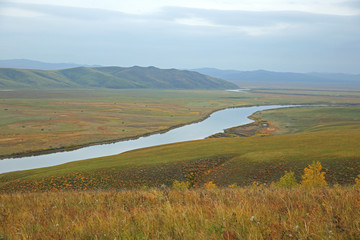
x=180, y=185
x=210, y=185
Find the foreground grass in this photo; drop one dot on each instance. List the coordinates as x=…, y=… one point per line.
x=240, y=213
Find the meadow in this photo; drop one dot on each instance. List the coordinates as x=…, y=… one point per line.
x=38, y=121
x=231, y=195
x=260, y=158
x=48, y=120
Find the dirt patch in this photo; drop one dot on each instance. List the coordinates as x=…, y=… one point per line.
x=259, y=127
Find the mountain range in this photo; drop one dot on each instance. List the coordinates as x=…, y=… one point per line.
x=109, y=77
x=265, y=78
x=31, y=64
x=35, y=74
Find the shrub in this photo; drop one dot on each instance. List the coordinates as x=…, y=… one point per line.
x=288, y=180
x=180, y=185
x=234, y=185
x=313, y=177
x=357, y=181
x=210, y=185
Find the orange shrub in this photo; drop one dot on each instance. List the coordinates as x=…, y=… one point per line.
x=313, y=177
x=357, y=181
x=210, y=185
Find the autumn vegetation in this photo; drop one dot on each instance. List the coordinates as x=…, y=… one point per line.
x=296, y=178
x=311, y=210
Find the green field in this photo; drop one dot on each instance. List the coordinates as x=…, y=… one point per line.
x=33, y=120
x=299, y=136
x=48, y=120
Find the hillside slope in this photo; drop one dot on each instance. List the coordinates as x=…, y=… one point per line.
x=109, y=77
x=330, y=135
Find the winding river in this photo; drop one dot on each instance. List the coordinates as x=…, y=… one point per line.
x=215, y=123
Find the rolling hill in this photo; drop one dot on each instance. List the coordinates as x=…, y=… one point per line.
x=109, y=77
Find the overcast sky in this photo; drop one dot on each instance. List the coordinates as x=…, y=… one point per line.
x=278, y=35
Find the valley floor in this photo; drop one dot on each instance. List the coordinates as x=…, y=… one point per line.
x=119, y=197
x=40, y=121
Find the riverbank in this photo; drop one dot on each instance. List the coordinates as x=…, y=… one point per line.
x=216, y=122
x=79, y=146
x=42, y=121
x=258, y=127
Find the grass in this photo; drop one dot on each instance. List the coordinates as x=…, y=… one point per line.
x=298, y=137
x=223, y=160
x=41, y=120
x=240, y=213
x=312, y=119
x=119, y=197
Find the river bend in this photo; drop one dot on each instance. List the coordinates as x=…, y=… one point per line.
x=215, y=123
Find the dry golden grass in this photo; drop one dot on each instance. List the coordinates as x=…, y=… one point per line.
x=228, y=213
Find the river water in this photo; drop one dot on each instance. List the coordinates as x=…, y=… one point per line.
x=217, y=122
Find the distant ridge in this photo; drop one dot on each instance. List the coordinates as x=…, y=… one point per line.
x=283, y=79
x=109, y=77
x=31, y=64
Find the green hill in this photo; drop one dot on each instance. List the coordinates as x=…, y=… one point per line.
x=109, y=77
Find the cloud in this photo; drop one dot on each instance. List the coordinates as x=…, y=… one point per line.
x=254, y=24
x=335, y=7
x=59, y=11
x=18, y=12
x=246, y=29
x=176, y=19
x=181, y=37
x=353, y=4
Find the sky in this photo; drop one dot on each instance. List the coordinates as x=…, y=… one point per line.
x=276, y=35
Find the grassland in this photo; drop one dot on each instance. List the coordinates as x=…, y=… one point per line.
x=312, y=120
x=260, y=158
x=224, y=161
x=294, y=138
x=33, y=120
x=50, y=120
x=120, y=196
x=241, y=213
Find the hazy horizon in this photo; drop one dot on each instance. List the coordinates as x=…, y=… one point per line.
x=190, y=69
x=278, y=35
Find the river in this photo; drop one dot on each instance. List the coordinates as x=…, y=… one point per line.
x=215, y=123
